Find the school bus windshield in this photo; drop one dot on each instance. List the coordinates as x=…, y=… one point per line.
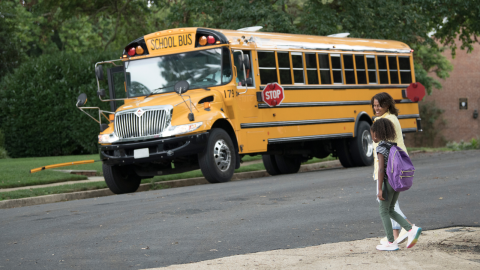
x=159, y=74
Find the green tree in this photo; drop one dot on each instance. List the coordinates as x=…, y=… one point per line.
x=429, y=59
x=14, y=37
x=32, y=28
x=451, y=20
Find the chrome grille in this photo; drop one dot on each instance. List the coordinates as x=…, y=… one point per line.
x=153, y=121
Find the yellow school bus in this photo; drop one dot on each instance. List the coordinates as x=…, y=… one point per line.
x=190, y=98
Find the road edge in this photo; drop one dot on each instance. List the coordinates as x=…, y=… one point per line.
x=79, y=195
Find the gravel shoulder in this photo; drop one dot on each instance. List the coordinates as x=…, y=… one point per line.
x=450, y=248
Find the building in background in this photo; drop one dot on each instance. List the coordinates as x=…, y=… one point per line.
x=460, y=101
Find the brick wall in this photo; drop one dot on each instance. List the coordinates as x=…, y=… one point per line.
x=464, y=82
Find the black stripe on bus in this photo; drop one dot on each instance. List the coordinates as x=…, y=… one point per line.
x=405, y=116
x=309, y=138
x=297, y=123
x=321, y=104
x=329, y=86
x=409, y=130
x=316, y=104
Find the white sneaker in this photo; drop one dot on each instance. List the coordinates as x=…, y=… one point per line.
x=384, y=241
x=400, y=239
x=402, y=236
x=388, y=246
x=413, y=235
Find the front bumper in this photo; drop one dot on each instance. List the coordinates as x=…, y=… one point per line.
x=165, y=148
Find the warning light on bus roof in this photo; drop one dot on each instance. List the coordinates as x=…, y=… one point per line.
x=211, y=40
x=139, y=50
x=202, y=41
x=131, y=51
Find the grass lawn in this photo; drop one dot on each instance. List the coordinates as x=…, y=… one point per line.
x=15, y=172
x=32, y=192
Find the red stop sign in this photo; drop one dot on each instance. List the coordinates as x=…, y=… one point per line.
x=273, y=94
x=415, y=92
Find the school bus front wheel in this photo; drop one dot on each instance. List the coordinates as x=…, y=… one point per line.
x=217, y=160
x=121, y=179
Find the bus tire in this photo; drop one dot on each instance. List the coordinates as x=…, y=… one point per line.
x=343, y=153
x=121, y=180
x=288, y=164
x=217, y=160
x=361, y=146
x=270, y=164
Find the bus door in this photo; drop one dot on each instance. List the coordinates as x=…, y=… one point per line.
x=252, y=139
x=245, y=82
x=116, y=86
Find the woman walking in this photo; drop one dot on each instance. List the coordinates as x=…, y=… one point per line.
x=383, y=107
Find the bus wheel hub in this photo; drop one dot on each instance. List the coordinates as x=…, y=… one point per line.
x=222, y=155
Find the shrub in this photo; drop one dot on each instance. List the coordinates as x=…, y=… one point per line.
x=3, y=152
x=37, y=105
x=473, y=144
x=432, y=124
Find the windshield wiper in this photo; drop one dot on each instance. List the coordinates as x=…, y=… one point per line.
x=154, y=90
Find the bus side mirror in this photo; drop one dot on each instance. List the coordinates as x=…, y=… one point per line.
x=99, y=72
x=240, y=61
x=246, y=61
x=101, y=93
x=81, y=100
x=181, y=87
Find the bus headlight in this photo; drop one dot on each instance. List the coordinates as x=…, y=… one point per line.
x=107, y=138
x=177, y=130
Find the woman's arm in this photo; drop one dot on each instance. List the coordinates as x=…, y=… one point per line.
x=380, y=174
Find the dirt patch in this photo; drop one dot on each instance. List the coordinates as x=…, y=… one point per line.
x=452, y=248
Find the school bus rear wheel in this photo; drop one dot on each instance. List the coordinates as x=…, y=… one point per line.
x=270, y=164
x=362, y=145
x=217, y=160
x=288, y=164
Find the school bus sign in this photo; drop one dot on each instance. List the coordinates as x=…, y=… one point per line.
x=273, y=94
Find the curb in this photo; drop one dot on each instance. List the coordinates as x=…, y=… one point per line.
x=145, y=187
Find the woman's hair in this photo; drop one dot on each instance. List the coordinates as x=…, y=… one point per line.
x=384, y=130
x=386, y=101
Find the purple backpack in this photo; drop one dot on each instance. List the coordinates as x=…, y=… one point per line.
x=400, y=169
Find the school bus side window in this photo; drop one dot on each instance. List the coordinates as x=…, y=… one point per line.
x=297, y=65
x=311, y=64
x=392, y=64
x=240, y=76
x=349, y=69
x=382, y=69
x=284, y=68
x=372, y=69
x=405, y=70
x=336, y=68
x=360, y=67
x=268, y=67
x=324, y=69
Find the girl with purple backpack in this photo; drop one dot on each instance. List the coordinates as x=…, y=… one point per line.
x=383, y=133
x=383, y=106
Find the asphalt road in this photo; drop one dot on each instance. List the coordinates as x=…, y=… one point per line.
x=182, y=225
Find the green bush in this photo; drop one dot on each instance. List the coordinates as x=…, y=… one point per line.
x=3, y=152
x=38, y=115
x=472, y=144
